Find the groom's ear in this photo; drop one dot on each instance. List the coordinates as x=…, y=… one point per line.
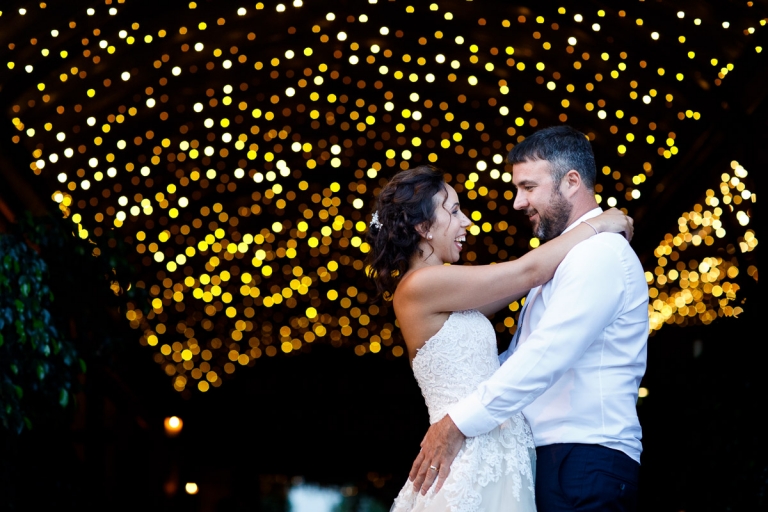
x=572, y=182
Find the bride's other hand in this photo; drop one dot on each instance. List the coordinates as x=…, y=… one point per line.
x=614, y=221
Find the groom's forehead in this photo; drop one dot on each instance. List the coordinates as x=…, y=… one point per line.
x=530, y=170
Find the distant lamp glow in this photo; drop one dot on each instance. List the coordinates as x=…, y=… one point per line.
x=173, y=426
x=191, y=488
x=642, y=392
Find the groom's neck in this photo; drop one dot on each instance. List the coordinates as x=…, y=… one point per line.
x=581, y=205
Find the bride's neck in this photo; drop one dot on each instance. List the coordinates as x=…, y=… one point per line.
x=418, y=261
x=423, y=258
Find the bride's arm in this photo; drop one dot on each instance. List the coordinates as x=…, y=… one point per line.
x=493, y=307
x=442, y=288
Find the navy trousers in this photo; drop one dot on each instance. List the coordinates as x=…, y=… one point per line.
x=585, y=477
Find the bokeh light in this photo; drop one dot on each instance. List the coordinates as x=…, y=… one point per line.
x=237, y=149
x=173, y=426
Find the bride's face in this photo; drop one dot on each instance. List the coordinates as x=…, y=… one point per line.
x=449, y=229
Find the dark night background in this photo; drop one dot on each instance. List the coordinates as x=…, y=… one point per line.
x=333, y=418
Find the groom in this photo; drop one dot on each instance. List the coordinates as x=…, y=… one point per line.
x=575, y=363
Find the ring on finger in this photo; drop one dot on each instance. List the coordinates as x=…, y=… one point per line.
x=433, y=468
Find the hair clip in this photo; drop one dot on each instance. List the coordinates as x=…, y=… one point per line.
x=375, y=220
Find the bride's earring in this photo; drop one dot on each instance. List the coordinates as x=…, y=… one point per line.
x=429, y=237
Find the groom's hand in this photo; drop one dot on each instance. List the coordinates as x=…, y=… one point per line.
x=438, y=449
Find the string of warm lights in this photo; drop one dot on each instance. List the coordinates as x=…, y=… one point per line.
x=702, y=289
x=238, y=149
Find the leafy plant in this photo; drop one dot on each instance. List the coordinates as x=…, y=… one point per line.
x=37, y=364
x=59, y=303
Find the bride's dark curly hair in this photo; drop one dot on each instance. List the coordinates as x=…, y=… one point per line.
x=405, y=202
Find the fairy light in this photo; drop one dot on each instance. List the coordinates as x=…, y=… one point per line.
x=238, y=153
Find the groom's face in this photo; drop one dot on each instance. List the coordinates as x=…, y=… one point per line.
x=540, y=198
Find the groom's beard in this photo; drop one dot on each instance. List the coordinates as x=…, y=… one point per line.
x=554, y=220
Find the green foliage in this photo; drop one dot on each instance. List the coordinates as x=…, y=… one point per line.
x=37, y=364
x=44, y=343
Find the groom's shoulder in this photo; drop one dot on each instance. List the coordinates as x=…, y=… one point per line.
x=603, y=242
x=604, y=249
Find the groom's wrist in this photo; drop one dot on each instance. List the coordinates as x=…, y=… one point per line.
x=471, y=417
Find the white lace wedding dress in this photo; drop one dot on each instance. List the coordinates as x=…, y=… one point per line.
x=492, y=472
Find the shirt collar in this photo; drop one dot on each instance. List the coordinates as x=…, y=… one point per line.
x=590, y=214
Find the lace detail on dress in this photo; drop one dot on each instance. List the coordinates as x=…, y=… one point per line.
x=450, y=366
x=454, y=361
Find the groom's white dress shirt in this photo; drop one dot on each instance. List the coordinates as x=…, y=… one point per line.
x=576, y=368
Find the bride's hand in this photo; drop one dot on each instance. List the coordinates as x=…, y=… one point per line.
x=614, y=221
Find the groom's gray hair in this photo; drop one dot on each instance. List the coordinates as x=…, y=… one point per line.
x=565, y=149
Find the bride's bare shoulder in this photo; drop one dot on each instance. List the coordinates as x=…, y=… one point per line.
x=419, y=280
x=408, y=293
x=412, y=287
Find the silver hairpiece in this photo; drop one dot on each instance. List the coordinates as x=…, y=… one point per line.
x=375, y=220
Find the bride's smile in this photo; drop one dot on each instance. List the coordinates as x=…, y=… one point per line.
x=443, y=240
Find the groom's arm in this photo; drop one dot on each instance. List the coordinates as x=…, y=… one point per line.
x=586, y=297
x=588, y=290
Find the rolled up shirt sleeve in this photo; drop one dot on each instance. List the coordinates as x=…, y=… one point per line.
x=586, y=296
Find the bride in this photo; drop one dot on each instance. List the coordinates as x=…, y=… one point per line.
x=416, y=230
